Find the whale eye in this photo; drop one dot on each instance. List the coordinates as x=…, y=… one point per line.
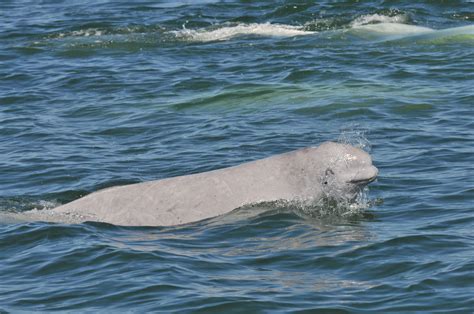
x=329, y=171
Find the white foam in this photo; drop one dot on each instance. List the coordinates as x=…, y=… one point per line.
x=386, y=27
x=89, y=32
x=228, y=32
x=378, y=18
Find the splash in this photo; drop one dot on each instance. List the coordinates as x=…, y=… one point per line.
x=321, y=208
x=356, y=136
x=333, y=204
x=17, y=210
x=229, y=31
x=21, y=204
x=42, y=215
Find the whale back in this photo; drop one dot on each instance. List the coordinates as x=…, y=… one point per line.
x=291, y=176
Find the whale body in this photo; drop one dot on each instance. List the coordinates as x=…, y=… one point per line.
x=399, y=33
x=305, y=174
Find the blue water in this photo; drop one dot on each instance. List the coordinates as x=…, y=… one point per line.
x=102, y=93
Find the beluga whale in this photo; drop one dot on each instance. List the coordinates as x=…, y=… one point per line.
x=306, y=174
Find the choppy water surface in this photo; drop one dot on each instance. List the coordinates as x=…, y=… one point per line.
x=95, y=94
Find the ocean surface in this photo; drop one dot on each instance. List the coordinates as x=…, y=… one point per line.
x=95, y=94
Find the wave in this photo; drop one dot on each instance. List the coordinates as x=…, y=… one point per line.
x=230, y=31
x=227, y=31
x=373, y=27
x=370, y=27
x=379, y=18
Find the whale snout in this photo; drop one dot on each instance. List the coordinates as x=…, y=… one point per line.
x=365, y=176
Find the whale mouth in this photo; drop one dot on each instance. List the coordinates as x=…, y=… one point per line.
x=365, y=176
x=363, y=181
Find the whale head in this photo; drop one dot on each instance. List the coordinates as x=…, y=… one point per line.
x=345, y=170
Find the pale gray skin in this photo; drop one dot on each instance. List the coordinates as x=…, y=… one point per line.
x=305, y=174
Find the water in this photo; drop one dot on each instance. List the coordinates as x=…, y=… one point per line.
x=102, y=93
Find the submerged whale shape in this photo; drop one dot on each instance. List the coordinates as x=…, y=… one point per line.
x=397, y=32
x=305, y=174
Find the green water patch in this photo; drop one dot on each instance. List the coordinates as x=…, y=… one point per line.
x=340, y=110
x=79, y=53
x=321, y=110
x=412, y=109
x=28, y=50
x=343, y=100
x=301, y=75
x=358, y=112
x=240, y=95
